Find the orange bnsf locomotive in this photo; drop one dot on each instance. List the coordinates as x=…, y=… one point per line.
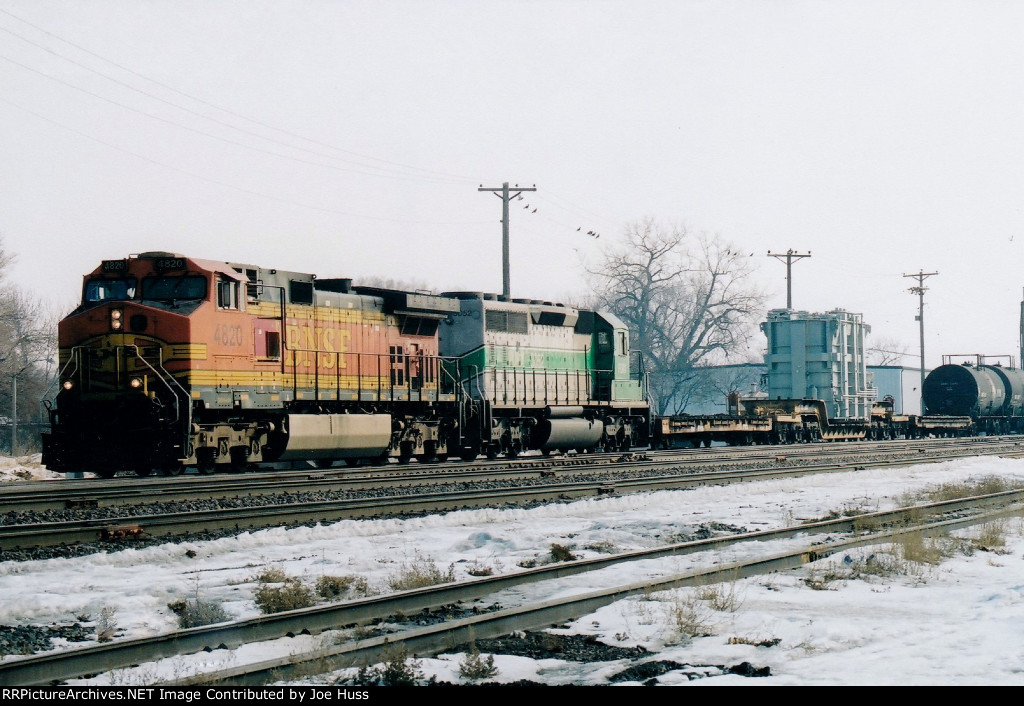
x=173, y=362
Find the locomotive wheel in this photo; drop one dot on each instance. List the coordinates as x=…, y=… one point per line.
x=174, y=469
x=405, y=452
x=106, y=473
x=492, y=453
x=429, y=454
x=206, y=462
x=240, y=458
x=143, y=470
x=441, y=458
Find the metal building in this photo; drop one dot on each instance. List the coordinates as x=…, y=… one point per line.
x=819, y=356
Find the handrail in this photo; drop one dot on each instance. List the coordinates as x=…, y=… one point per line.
x=184, y=392
x=512, y=377
x=428, y=364
x=74, y=356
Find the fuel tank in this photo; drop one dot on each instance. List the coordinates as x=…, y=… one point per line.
x=335, y=436
x=571, y=433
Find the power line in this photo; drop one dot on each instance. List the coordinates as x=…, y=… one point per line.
x=428, y=175
x=226, y=185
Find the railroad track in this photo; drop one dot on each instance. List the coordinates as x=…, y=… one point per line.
x=129, y=491
x=302, y=511
x=446, y=634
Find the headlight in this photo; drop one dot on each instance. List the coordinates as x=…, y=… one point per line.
x=115, y=319
x=67, y=384
x=136, y=383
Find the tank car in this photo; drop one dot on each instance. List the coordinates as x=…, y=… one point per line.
x=991, y=394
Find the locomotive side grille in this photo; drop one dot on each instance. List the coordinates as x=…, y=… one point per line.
x=507, y=321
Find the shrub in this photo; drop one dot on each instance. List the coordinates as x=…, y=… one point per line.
x=272, y=574
x=477, y=568
x=561, y=553
x=992, y=538
x=194, y=612
x=915, y=547
x=821, y=579
x=721, y=597
x=106, y=626
x=754, y=641
x=475, y=667
x=421, y=572
x=288, y=595
x=397, y=671
x=331, y=587
x=690, y=617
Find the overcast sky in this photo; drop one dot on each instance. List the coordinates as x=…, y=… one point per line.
x=349, y=138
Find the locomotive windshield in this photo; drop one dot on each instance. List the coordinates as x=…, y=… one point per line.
x=174, y=288
x=101, y=290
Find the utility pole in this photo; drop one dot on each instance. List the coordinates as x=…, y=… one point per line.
x=919, y=290
x=506, y=196
x=789, y=256
x=14, y=415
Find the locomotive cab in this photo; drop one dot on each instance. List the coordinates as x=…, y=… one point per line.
x=121, y=403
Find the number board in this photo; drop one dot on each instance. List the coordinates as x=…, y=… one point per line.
x=115, y=266
x=169, y=263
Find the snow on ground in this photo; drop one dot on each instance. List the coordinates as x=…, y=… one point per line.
x=955, y=622
x=25, y=468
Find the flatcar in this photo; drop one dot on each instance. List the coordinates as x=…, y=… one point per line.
x=172, y=362
x=771, y=422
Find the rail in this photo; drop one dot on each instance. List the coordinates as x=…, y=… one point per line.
x=54, y=666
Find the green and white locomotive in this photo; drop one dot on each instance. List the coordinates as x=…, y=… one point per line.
x=544, y=376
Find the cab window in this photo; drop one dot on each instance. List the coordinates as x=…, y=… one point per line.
x=101, y=290
x=227, y=293
x=180, y=288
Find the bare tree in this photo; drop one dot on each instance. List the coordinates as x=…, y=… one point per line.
x=28, y=338
x=886, y=351
x=392, y=283
x=687, y=299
